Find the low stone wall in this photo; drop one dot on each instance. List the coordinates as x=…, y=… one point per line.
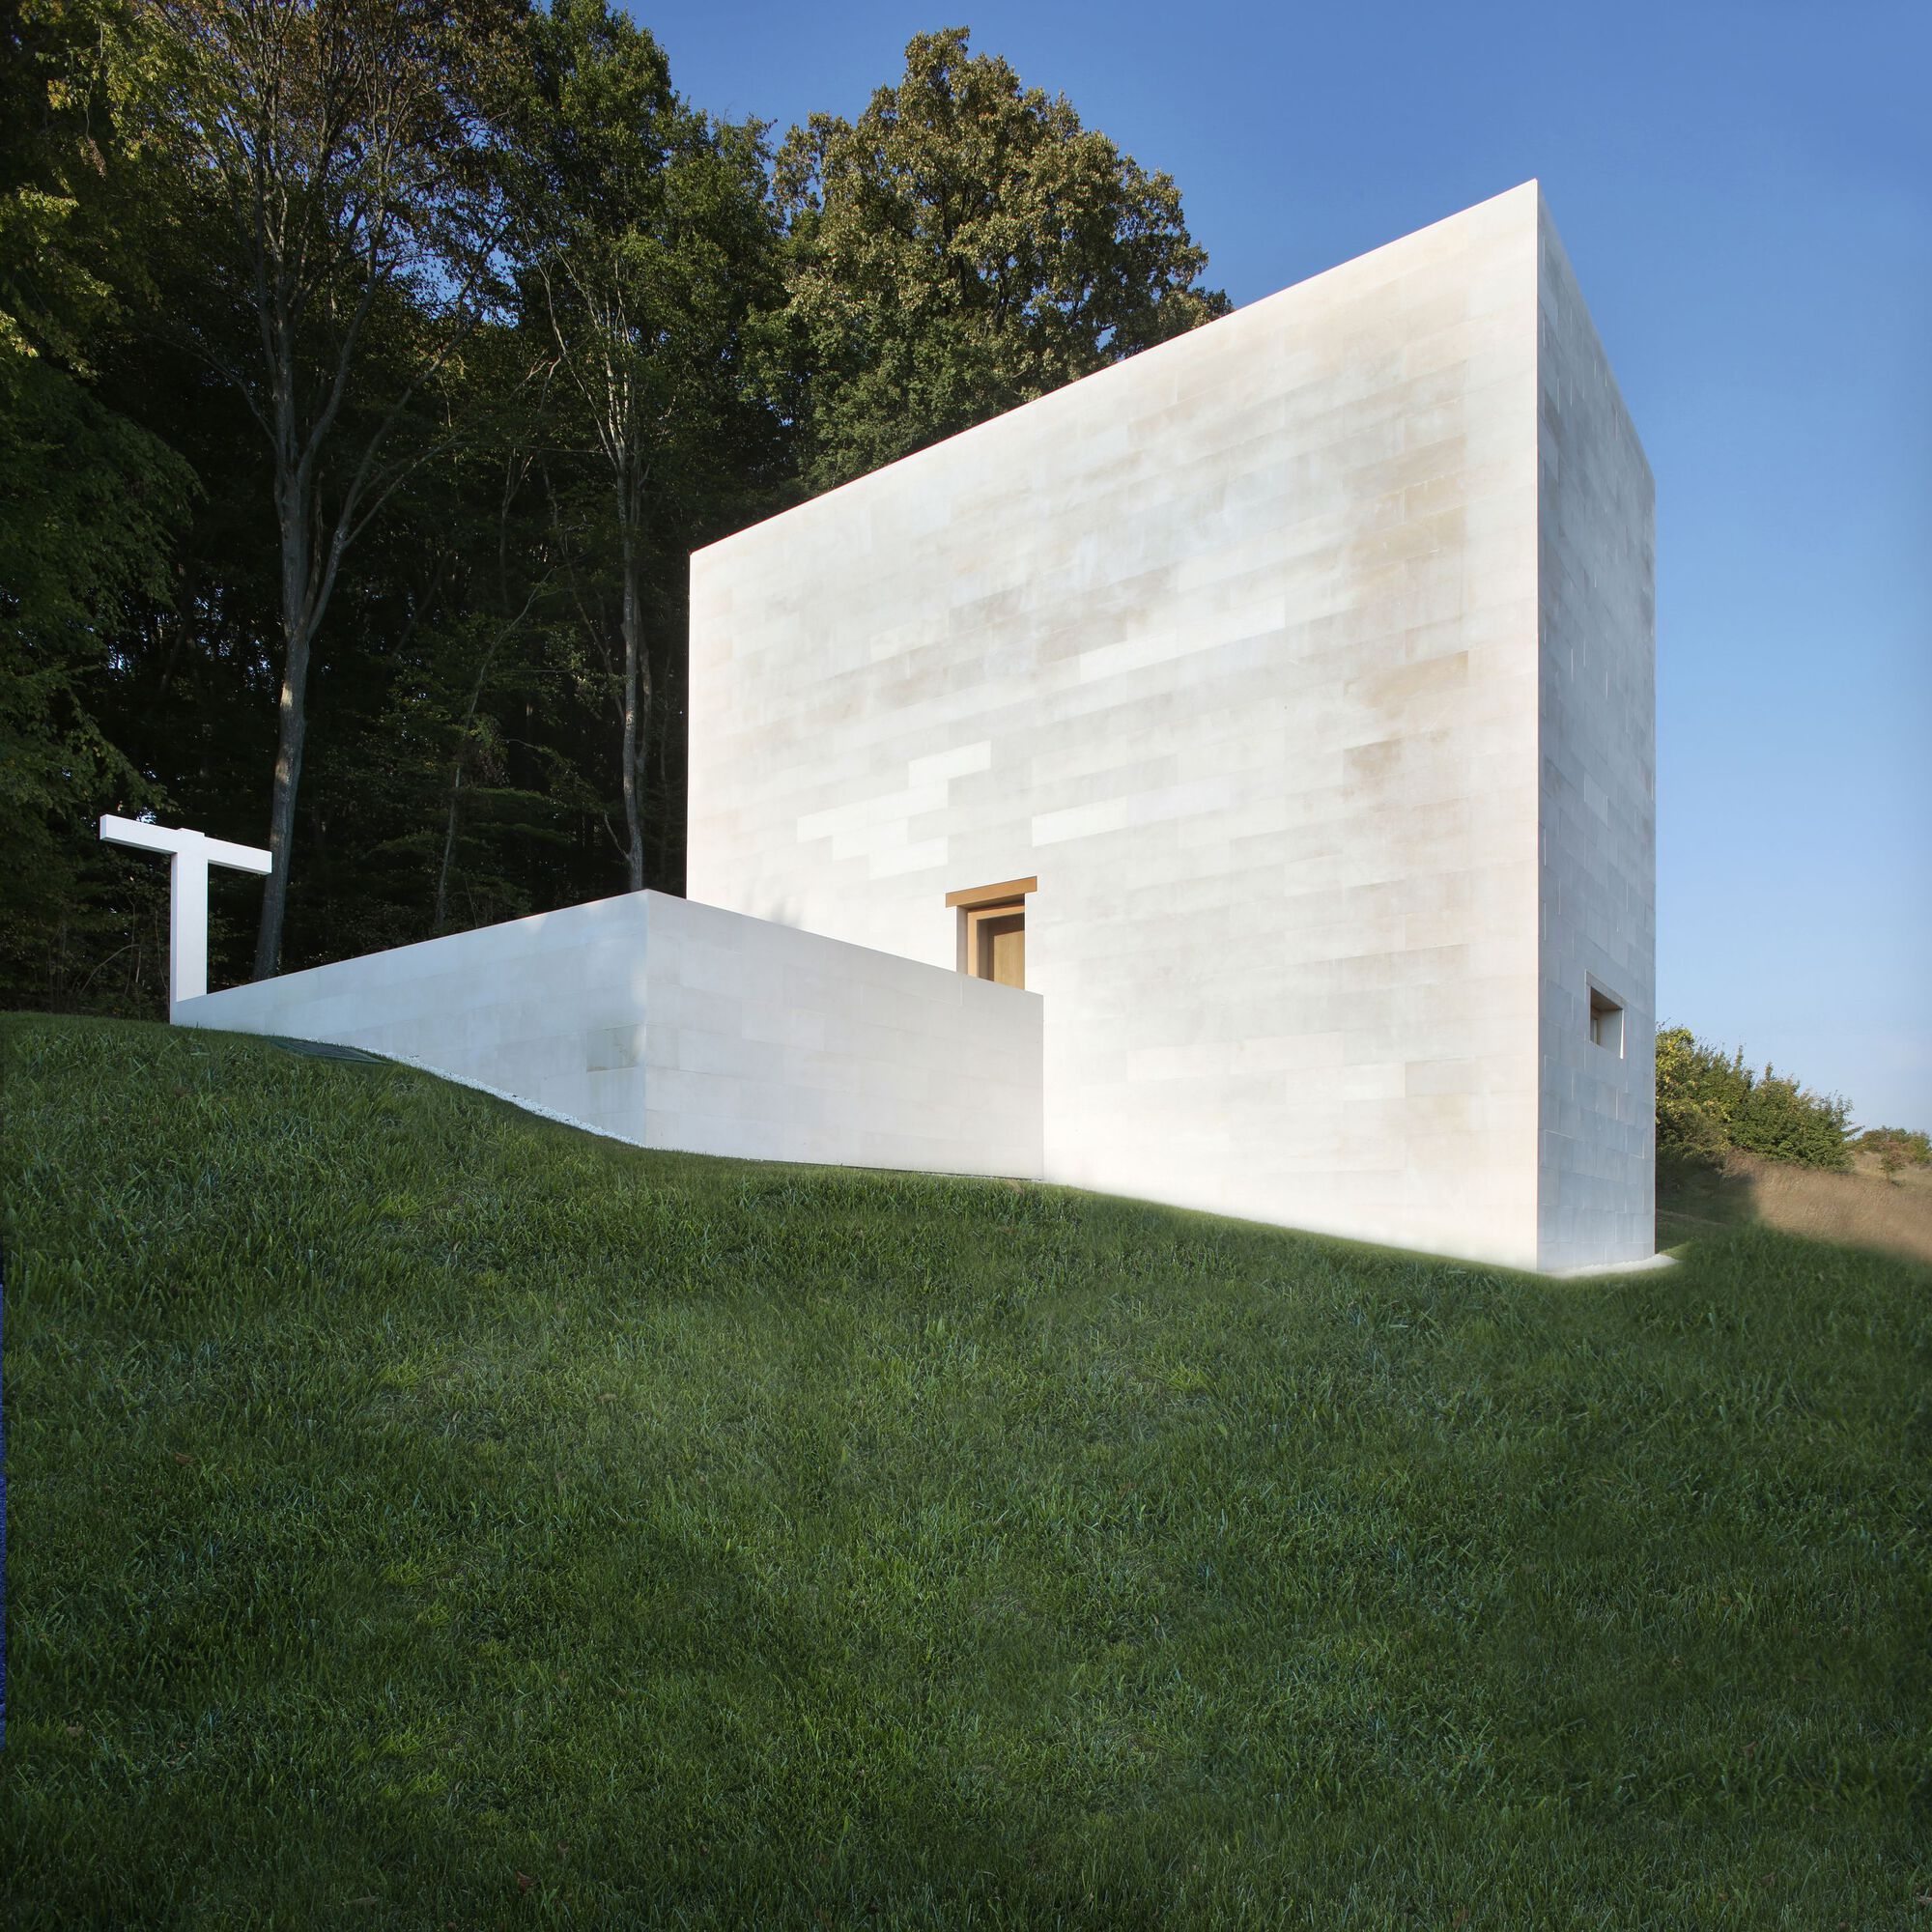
x=675, y=1025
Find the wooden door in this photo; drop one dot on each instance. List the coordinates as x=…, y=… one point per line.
x=1001, y=940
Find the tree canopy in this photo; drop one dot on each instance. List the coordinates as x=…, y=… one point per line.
x=1710, y=1104
x=91, y=500
x=964, y=246
x=647, y=252
x=368, y=371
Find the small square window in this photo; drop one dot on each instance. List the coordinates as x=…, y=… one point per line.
x=1606, y=1022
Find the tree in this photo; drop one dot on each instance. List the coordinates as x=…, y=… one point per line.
x=368, y=371
x=435, y=761
x=335, y=158
x=965, y=246
x=89, y=499
x=1895, y=1149
x=650, y=252
x=1710, y=1104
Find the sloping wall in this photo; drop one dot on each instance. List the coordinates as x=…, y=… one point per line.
x=1234, y=647
x=547, y=1011
x=675, y=1025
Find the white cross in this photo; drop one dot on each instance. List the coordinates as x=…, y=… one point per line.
x=191, y=854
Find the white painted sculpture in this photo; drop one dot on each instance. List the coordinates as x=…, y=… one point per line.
x=189, y=856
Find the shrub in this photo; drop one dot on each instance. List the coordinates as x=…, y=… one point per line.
x=1710, y=1104
x=1896, y=1147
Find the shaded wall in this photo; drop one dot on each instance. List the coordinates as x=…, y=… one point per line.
x=1597, y=792
x=675, y=1025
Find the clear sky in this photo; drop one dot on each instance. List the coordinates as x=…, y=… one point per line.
x=1746, y=192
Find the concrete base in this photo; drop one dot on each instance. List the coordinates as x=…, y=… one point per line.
x=1645, y=1266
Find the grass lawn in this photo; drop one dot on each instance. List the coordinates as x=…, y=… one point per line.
x=423, y=1515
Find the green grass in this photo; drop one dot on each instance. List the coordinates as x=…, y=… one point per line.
x=424, y=1515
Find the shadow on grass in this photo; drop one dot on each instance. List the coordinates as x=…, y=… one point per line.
x=1694, y=1201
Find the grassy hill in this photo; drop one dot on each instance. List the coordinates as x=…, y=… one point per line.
x=425, y=1516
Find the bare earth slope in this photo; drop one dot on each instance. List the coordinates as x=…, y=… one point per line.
x=1862, y=1207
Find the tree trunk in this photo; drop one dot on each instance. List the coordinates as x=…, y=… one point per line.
x=637, y=708
x=442, y=908
x=456, y=797
x=292, y=731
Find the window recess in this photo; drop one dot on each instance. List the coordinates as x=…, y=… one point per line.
x=992, y=930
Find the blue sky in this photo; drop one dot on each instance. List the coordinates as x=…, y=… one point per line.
x=1746, y=192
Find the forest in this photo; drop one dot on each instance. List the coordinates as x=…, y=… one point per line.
x=369, y=370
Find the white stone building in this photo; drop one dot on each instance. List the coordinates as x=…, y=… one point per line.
x=1306, y=665
x=1277, y=707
